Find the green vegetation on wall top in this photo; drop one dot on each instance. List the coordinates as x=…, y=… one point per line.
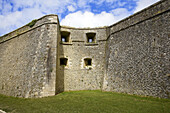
x=32, y=23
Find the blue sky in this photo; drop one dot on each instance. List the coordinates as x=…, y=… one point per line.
x=74, y=13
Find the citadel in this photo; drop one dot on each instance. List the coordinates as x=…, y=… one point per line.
x=132, y=56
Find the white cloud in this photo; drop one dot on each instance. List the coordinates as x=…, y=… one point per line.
x=122, y=3
x=9, y=20
x=89, y=19
x=0, y=4
x=71, y=8
x=20, y=12
x=82, y=3
x=7, y=8
x=17, y=19
x=141, y=4
x=23, y=11
x=121, y=13
x=111, y=1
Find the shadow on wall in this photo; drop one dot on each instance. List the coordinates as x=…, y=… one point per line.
x=61, y=63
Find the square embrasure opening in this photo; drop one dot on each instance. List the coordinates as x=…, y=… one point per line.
x=65, y=36
x=91, y=37
x=88, y=62
x=63, y=61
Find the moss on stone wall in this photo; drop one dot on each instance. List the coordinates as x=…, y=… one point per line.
x=32, y=23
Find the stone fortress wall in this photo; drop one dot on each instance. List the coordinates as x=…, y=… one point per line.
x=138, y=53
x=77, y=75
x=28, y=59
x=131, y=56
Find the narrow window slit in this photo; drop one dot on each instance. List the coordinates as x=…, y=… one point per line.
x=65, y=36
x=88, y=61
x=91, y=37
x=63, y=61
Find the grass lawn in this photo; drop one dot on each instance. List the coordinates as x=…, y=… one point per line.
x=86, y=102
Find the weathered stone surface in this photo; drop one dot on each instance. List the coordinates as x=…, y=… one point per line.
x=131, y=56
x=76, y=75
x=138, y=56
x=28, y=62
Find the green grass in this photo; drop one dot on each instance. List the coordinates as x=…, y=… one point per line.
x=86, y=102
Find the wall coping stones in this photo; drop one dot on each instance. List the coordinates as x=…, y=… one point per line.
x=147, y=13
x=40, y=22
x=143, y=15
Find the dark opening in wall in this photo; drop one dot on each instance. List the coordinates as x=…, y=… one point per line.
x=91, y=37
x=88, y=61
x=65, y=36
x=63, y=61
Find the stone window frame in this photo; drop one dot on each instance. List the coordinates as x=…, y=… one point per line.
x=65, y=35
x=88, y=65
x=64, y=61
x=91, y=36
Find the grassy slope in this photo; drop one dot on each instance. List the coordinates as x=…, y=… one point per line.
x=87, y=102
